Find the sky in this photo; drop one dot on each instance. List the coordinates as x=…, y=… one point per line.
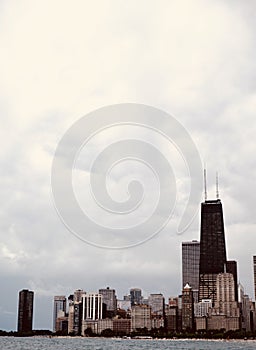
x=60, y=61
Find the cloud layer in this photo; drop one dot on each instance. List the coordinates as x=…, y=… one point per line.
x=61, y=60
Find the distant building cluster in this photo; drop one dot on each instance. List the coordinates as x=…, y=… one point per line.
x=211, y=298
x=83, y=312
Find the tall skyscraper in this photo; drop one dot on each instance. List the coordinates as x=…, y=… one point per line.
x=190, y=265
x=254, y=274
x=25, y=311
x=59, y=306
x=212, y=248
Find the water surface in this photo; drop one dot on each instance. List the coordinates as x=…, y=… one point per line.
x=34, y=343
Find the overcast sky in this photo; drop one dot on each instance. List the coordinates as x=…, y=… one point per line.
x=61, y=60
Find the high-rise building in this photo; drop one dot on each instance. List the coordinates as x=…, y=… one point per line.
x=91, y=312
x=136, y=296
x=156, y=302
x=254, y=274
x=25, y=311
x=225, y=301
x=110, y=300
x=212, y=248
x=140, y=317
x=187, y=308
x=75, y=318
x=244, y=304
x=231, y=267
x=171, y=318
x=225, y=313
x=92, y=306
x=59, y=306
x=71, y=311
x=190, y=265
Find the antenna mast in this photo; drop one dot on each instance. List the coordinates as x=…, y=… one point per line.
x=205, y=187
x=217, y=186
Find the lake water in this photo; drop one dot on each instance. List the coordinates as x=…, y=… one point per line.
x=8, y=343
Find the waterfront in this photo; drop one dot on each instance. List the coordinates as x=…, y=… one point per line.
x=41, y=343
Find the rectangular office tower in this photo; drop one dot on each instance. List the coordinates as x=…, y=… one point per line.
x=136, y=296
x=212, y=248
x=59, y=309
x=110, y=302
x=231, y=267
x=25, y=311
x=190, y=265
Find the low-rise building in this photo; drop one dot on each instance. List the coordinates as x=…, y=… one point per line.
x=121, y=326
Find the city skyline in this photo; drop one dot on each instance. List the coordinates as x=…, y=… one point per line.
x=190, y=253
x=211, y=298
x=194, y=61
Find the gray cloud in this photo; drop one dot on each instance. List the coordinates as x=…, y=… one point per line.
x=61, y=61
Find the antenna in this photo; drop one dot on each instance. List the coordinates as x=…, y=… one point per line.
x=217, y=186
x=205, y=187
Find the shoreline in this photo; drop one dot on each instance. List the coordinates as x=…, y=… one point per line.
x=142, y=338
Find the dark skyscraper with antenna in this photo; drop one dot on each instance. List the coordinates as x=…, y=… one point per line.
x=212, y=248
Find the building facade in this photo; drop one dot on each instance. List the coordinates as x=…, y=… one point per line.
x=91, y=311
x=226, y=303
x=171, y=316
x=187, y=308
x=25, y=311
x=62, y=323
x=254, y=275
x=124, y=304
x=135, y=296
x=231, y=267
x=201, y=309
x=244, y=304
x=59, y=305
x=91, y=306
x=140, y=317
x=110, y=300
x=75, y=318
x=121, y=326
x=212, y=248
x=190, y=265
x=78, y=293
x=157, y=303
